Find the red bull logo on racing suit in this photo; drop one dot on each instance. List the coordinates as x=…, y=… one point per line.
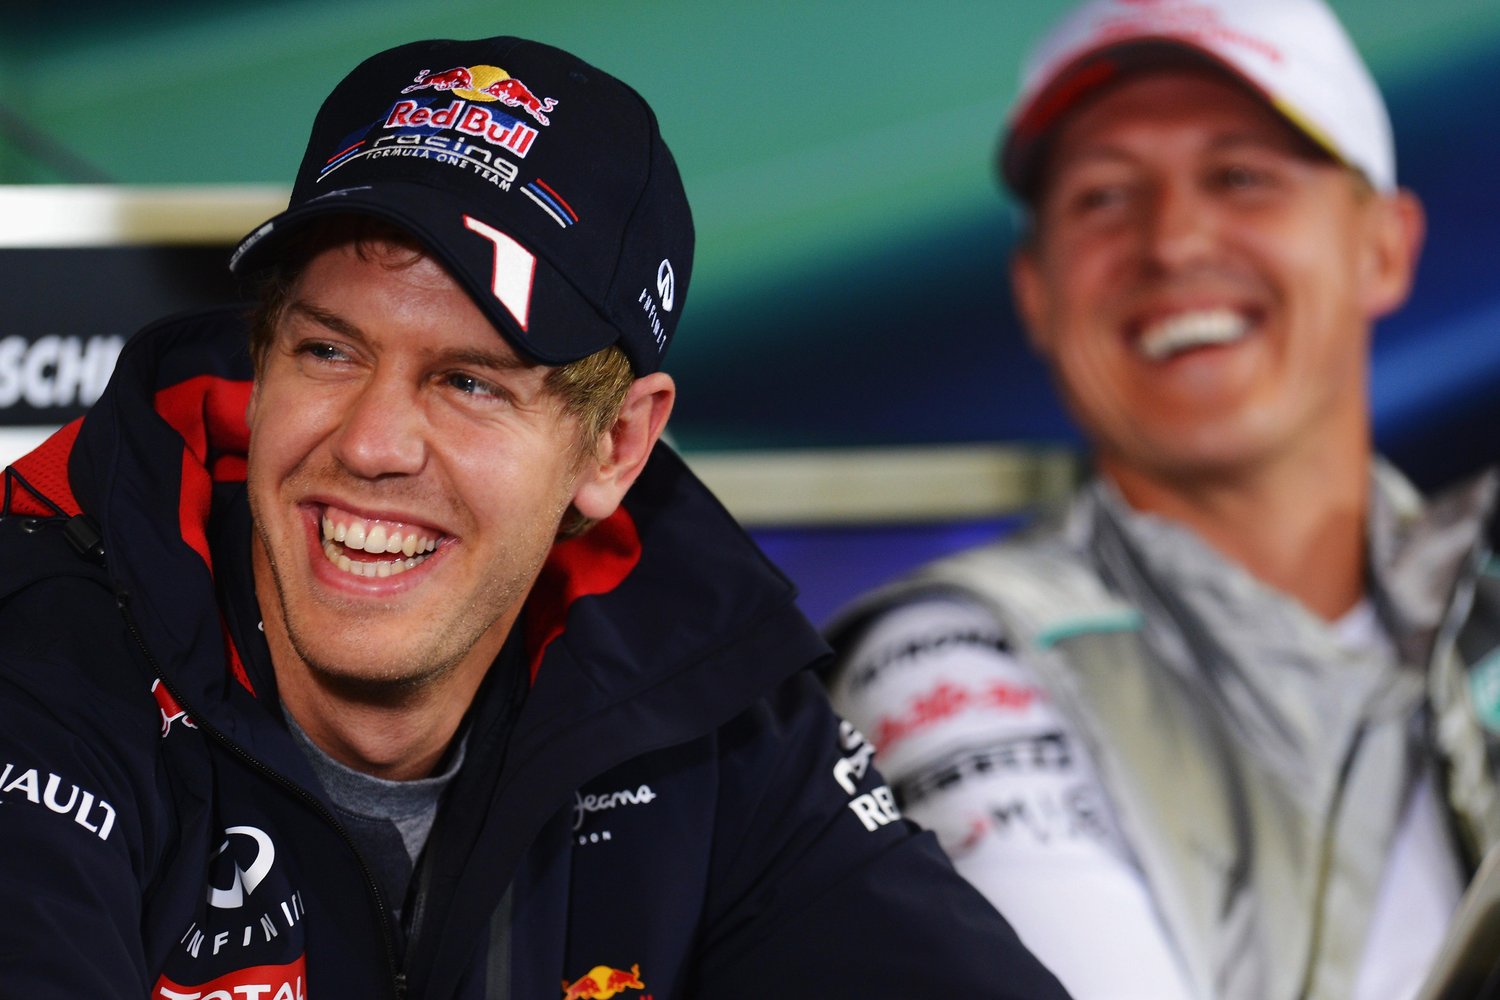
x=602, y=982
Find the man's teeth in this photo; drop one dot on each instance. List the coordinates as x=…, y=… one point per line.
x=410, y=547
x=1187, y=330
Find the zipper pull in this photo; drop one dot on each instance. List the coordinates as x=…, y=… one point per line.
x=400, y=986
x=82, y=532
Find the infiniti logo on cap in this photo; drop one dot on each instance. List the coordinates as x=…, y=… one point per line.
x=665, y=284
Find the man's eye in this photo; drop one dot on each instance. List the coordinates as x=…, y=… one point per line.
x=321, y=350
x=472, y=386
x=1096, y=198
x=1238, y=177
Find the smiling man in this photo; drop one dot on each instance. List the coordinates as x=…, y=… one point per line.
x=408, y=474
x=1208, y=733
x=393, y=656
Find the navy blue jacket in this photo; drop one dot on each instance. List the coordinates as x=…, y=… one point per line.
x=656, y=800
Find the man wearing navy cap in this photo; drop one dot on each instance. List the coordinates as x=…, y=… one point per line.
x=394, y=657
x=1219, y=710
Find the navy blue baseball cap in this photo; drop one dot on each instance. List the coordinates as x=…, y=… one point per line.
x=539, y=181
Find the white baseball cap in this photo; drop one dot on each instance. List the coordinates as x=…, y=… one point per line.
x=1293, y=53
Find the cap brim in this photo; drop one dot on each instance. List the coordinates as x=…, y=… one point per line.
x=541, y=314
x=1032, y=124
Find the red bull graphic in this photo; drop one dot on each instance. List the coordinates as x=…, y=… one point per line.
x=515, y=94
x=602, y=982
x=453, y=79
x=486, y=83
x=170, y=711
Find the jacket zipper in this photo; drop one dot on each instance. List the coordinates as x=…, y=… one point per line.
x=388, y=946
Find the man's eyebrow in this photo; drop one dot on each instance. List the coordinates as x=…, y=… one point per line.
x=323, y=317
x=1090, y=155
x=499, y=360
x=496, y=360
x=1093, y=149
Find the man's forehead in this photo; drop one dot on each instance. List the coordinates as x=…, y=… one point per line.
x=1216, y=111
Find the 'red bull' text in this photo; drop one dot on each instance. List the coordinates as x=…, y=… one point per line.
x=470, y=119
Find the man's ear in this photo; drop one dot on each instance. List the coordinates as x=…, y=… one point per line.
x=622, y=450
x=1397, y=227
x=1029, y=290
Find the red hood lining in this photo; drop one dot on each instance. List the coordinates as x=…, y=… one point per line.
x=593, y=563
x=46, y=468
x=209, y=414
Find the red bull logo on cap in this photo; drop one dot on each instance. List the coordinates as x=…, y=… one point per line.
x=486, y=83
x=453, y=119
x=602, y=982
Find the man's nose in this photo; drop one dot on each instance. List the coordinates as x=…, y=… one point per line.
x=383, y=430
x=1180, y=228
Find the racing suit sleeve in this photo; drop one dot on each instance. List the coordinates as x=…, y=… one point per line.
x=71, y=822
x=820, y=887
x=977, y=752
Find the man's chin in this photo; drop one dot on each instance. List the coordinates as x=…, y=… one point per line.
x=369, y=680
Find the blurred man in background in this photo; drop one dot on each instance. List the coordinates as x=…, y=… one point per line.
x=1220, y=709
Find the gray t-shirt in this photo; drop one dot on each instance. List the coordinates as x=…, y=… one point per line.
x=388, y=820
